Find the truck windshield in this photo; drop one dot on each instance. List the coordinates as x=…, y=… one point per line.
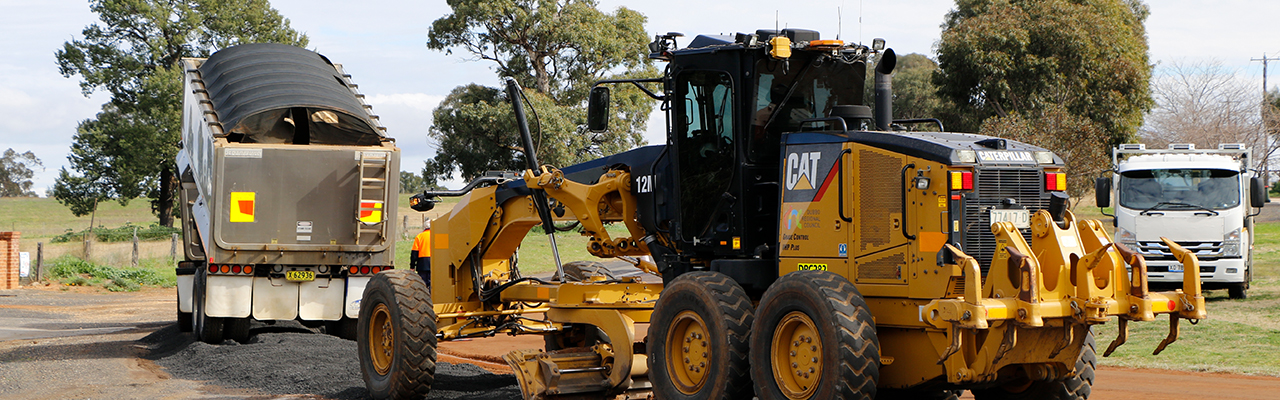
x=1214, y=189
x=806, y=87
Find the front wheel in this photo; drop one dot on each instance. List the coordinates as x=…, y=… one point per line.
x=698, y=339
x=1239, y=291
x=396, y=336
x=814, y=339
x=1076, y=387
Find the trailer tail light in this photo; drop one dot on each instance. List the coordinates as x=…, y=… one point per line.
x=364, y=270
x=377, y=269
x=961, y=180
x=248, y=269
x=226, y=269
x=213, y=268
x=235, y=269
x=1055, y=181
x=353, y=270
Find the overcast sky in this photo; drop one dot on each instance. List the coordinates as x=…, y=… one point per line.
x=382, y=44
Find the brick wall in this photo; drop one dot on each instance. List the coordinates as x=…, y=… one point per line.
x=9, y=259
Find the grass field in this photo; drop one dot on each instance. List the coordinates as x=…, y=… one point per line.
x=1240, y=336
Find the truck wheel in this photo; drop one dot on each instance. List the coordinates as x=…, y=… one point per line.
x=344, y=328
x=396, y=336
x=814, y=339
x=579, y=335
x=207, y=329
x=236, y=329
x=1076, y=387
x=698, y=339
x=586, y=271
x=184, y=321
x=1239, y=291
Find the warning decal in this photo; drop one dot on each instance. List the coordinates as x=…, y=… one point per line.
x=242, y=206
x=370, y=211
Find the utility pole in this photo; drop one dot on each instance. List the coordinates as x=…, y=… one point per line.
x=1266, y=159
x=1264, y=60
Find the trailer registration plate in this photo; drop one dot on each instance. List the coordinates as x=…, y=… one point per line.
x=300, y=276
x=1020, y=218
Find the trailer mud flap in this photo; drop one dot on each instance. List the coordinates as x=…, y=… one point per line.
x=355, y=291
x=185, y=283
x=321, y=299
x=274, y=300
x=228, y=296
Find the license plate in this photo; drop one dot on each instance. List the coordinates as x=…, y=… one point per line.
x=1175, y=268
x=1020, y=218
x=300, y=276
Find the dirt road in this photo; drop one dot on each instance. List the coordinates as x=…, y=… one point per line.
x=85, y=344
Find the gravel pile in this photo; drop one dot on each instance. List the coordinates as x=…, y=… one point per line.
x=297, y=362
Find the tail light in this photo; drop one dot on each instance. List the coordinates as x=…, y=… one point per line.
x=226, y=269
x=961, y=180
x=364, y=270
x=376, y=269
x=248, y=269
x=1055, y=181
x=213, y=268
x=235, y=269
x=353, y=270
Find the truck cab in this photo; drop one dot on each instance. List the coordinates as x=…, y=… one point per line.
x=1202, y=199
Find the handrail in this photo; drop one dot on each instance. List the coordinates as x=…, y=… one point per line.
x=904, y=202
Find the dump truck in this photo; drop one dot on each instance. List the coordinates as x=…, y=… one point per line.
x=803, y=246
x=288, y=182
x=1204, y=199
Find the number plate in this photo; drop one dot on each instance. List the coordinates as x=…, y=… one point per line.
x=1020, y=218
x=300, y=276
x=1175, y=268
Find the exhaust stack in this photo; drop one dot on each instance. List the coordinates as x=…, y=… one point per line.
x=884, y=90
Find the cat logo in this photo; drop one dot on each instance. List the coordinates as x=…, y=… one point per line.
x=802, y=170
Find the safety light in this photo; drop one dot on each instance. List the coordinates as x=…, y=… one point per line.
x=354, y=270
x=226, y=269
x=248, y=269
x=235, y=269
x=825, y=44
x=1055, y=181
x=376, y=269
x=213, y=268
x=364, y=270
x=961, y=180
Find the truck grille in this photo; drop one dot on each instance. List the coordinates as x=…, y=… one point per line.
x=991, y=187
x=1158, y=251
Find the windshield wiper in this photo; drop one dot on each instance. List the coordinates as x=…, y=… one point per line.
x=1179, y=205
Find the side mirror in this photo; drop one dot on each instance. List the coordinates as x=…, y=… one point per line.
x=1257, y=193
x=1102, y=191
x=598, y=109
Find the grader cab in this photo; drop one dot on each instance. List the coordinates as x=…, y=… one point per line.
x=807, y=249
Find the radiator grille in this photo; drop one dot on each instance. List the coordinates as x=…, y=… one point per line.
x=880, y=188
x=991, y=187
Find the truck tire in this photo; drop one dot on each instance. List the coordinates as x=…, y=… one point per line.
x=344, y=328
x=1075, y=387
x=698, y=339
x=184, y=321
x=1239, y=291
x=814, y=339
x=396, y=336
x=579, y=335
x=236, y=329
x=207, y=329
x=584, y=271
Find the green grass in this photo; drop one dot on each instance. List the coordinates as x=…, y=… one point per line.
x=39, y=218
x=73, y=271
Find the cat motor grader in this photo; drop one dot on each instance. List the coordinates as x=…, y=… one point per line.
x=807, y=249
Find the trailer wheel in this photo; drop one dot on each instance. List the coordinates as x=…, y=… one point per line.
x=236, y=329
x=814, y=339
x=1076, y=387
x=184, y=322
x=698, y=339
x=396, y=336
x=207, y=329
x=344, y=328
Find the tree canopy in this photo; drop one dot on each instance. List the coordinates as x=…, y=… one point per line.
x=16, y=172
x=127, y=151
x=1001, y=57
x=556, y=49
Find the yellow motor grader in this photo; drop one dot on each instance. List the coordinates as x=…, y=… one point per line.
x=807, y=247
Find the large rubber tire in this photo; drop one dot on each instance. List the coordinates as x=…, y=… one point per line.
x=714, y=314
x=586, y=271
x=344, y=328
x=814, y=339
x=579, y=335
x=1238, y=291
x=1076, y=387
x=396, y=336
x=207, y=329
x=236, y=329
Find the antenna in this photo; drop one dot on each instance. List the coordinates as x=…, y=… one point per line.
x=839, y=22
x=859, y=21
x=775, y=20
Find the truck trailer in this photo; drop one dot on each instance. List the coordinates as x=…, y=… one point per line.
x=288, y=184
x=1204, y=199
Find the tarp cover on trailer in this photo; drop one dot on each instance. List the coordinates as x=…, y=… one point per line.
x=259, y=90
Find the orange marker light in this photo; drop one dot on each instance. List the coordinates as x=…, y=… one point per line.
x=226, y=269
x=248, y=269
x=353, y=270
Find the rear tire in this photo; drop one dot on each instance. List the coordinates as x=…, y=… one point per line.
x=236, y=329
x=697, y=341
x=586, y=271
x=396, y=336
x=207, y=329
x=1076, y=387
x=344, y=328
x=184, y=321
x=814, y=339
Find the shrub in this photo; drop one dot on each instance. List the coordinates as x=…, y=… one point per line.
x=121, y=234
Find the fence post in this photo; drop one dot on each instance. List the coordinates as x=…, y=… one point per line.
x=173, y=248
x=88, y=249
x=133, y=261
x=39, y=261
x=404, y=228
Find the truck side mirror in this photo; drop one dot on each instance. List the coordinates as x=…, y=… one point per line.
x=1257, y=193
x=1102, y=191
x=598, y=109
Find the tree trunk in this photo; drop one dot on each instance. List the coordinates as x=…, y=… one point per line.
x=167, y=184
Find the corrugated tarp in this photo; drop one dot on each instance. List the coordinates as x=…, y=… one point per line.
x=260, y=89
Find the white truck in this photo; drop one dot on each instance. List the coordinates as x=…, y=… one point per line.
x=1203, y=199
x=288, y=186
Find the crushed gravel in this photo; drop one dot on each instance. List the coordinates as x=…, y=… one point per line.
x=283, y=360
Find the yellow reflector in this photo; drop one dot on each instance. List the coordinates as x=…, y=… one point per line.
x=241, y=206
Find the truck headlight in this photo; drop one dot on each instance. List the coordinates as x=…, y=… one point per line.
x=1231, y=243
x=1127, y=238
x=1044, y=157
